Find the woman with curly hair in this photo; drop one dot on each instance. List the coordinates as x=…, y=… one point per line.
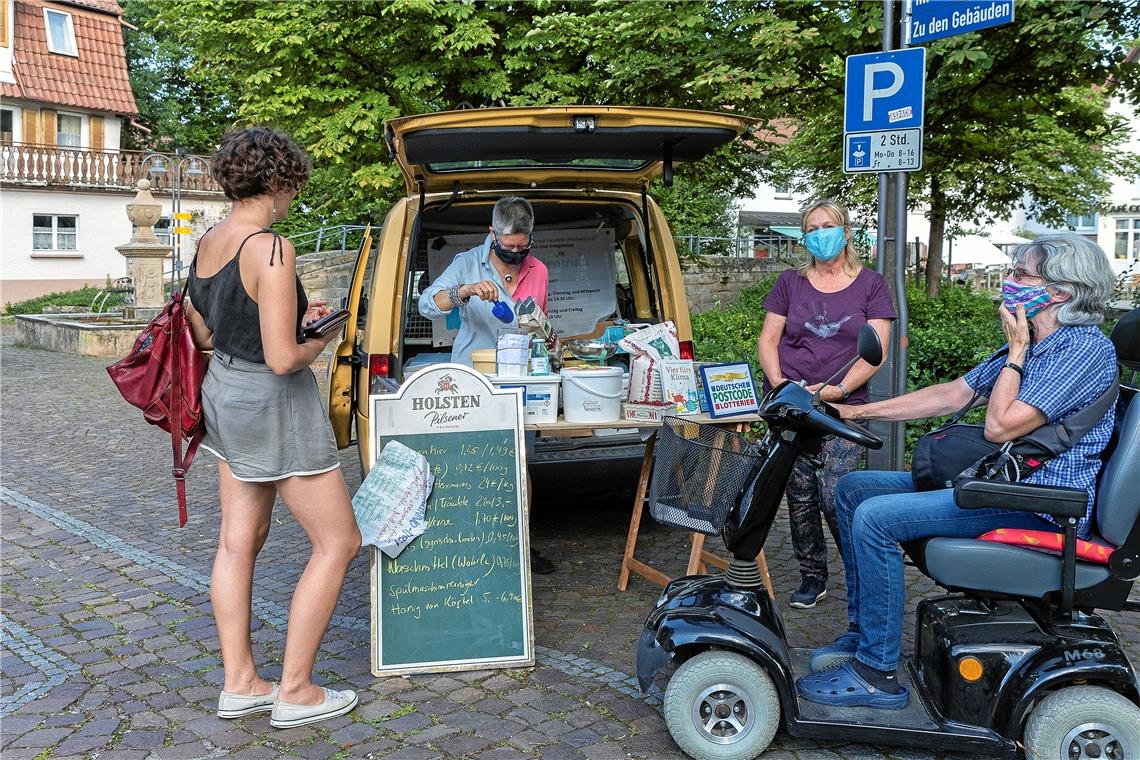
x=267, y=426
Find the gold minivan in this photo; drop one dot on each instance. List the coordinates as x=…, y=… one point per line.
x=586, y=170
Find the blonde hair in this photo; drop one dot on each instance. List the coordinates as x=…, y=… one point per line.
x=839, y=215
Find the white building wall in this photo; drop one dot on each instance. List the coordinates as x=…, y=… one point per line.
x=1117, y=231
x=102, y=224
x=772, y=199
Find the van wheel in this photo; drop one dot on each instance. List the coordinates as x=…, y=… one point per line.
x=1083, y=722
x=721, y=706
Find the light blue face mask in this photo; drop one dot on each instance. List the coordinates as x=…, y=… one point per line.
x=826, y=243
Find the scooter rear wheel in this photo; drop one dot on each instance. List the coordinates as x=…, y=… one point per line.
x=721, y=706
x=1083, y=722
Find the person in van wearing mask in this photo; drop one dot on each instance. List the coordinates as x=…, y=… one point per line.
x=484, y=283
x=501, y=269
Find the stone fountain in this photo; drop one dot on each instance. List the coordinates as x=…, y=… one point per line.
x=146, y=257
x=111, y=334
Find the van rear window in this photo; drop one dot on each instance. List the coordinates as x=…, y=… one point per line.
x=614, y=164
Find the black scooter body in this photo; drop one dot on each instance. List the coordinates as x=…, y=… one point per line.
x=1024, y=650
x=1022, y=656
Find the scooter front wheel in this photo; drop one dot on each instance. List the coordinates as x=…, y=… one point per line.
x=1081, y=722
x=721, y=705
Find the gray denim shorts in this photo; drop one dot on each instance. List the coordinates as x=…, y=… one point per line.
x=265, y=426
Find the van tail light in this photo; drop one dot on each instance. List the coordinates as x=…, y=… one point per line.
x=687, y=349
x=380, y=368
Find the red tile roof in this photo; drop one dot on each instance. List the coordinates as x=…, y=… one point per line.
x=96, y=80
x=107, y=6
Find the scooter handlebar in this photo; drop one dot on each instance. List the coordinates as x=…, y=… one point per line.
x=792, y=401
x=825, y=417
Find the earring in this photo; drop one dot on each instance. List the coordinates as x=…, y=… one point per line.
x=273, y=217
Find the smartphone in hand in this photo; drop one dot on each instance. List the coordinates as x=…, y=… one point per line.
x=326, y=324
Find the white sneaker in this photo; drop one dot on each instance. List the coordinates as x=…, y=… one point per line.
x=336, y=703
x=232, y=705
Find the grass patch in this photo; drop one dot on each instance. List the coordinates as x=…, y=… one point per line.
x=81, y=297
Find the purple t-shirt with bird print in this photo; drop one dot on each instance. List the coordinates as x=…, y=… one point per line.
x=822, y=329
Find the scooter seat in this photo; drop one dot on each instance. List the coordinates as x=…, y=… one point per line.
x=969, y=564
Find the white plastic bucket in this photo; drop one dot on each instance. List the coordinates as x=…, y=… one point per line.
x=592, y=394
x=540, y=395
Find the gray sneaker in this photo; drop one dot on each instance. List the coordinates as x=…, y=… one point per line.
x=810, y=591
x=336, y=703
x=232, y=705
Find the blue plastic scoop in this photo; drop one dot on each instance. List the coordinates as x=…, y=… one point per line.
x=503, y=312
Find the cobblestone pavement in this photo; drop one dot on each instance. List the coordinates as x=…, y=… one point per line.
x=109, y=647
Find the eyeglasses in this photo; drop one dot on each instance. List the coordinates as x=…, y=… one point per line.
x=524, y=248
x=1021, y=275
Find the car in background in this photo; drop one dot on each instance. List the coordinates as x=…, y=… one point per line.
x=586, y=171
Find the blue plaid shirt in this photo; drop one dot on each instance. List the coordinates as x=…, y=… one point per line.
x=1063, y=374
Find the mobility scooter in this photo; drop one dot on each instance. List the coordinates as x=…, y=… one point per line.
x=1015, y=659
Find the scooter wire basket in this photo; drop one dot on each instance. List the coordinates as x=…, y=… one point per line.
x=699, y=473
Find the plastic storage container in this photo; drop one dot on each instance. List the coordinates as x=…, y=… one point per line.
x=592, y=394
x=540, y=395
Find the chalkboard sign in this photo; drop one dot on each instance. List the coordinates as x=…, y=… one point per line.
x=458, y=597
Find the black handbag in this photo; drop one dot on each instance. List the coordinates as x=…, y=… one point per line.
x=959, y=450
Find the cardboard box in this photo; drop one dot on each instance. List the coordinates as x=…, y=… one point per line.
x=646, y=412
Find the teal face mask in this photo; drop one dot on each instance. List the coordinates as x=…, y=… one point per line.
x=826, y=243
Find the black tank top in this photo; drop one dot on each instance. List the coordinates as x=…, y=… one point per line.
x=229, y=311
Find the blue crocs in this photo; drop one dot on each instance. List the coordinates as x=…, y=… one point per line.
x=843, y=687
x=836, y=653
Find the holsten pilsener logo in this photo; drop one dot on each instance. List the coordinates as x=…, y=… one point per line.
x=445, y=385
x=447, y=397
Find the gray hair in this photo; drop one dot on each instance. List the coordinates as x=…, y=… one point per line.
x=1075, y=265
x=512, y=215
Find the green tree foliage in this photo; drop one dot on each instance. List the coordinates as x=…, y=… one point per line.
x=181, y=109
x=949, y=334
x=331, y=73
x=1012, y=112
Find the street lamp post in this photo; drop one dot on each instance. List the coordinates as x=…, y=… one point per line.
x=182, y=163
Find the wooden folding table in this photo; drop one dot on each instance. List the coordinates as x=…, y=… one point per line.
x=699, y=557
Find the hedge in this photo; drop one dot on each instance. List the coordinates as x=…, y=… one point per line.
x=949, y=335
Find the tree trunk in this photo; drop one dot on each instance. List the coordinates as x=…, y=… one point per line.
x=934, y=244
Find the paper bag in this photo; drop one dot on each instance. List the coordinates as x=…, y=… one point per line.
x=647, y=348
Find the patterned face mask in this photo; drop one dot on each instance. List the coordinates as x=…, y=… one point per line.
x=1033, y=297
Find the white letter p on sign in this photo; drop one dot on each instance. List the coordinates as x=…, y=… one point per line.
x=870, y=93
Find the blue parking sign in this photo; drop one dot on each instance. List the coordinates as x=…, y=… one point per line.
x=885, y=90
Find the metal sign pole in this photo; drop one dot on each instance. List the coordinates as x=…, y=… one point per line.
x=900, y=336
x=884, y=383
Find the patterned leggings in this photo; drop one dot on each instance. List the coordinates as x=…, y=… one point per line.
x=812, y=492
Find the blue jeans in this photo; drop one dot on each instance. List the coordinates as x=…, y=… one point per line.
x=876, y=512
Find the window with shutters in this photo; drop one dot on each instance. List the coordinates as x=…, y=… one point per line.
x=54, y=232
x=68, y=130
x=60, y=32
